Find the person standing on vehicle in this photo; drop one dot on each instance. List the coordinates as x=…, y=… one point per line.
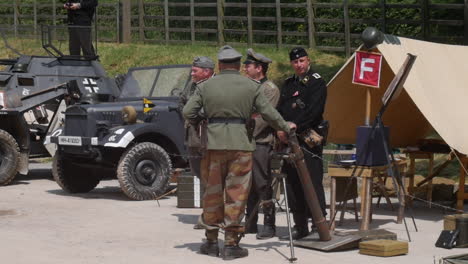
x=302, y=102
x=256, y=67
x=80, y=17
x=228, y=100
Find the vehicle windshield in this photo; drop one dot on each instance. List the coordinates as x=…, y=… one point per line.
x=155, y=81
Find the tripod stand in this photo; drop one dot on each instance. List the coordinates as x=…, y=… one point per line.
x=281, y=178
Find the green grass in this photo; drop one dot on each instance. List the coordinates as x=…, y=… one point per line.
x=117, y=58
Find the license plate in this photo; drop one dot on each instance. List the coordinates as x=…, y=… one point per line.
x=69, y=141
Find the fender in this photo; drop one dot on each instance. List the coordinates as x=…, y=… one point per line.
x=122, y=136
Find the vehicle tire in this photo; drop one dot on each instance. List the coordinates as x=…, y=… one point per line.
x=72, y=177
x=144, y=171
x=9, y=157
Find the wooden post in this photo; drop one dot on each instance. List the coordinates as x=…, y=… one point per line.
x=192, y=21
x=368, y=106
x=310, y=23
x=465, y=39
x=35, y=17
x=126, y=21
x=347, y=34
x=279, y=36
x=429, y=174
x=15, y=17
x=425, y=19
x=332, y=202
x=141, y=20
x=117, y=22
x=383, y=4
x=54, y=12
x=220, y=12
x=461, y=195
x=54, y=20
x=166, y=20
x=249, y=23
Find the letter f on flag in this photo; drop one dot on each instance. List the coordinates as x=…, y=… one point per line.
x=364, y=68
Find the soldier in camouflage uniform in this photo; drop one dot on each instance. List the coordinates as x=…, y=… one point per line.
x=256, y=67
x=228, y=100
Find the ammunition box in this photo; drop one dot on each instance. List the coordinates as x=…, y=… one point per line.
x=383, y=248
x=450, y=221
x=189, y=192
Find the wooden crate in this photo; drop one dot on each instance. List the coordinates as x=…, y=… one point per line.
x=383, y=248
x=450, y=221
x=189, y=192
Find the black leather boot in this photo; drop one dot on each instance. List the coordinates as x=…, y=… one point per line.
x=210, y=248
x=251, y=229
x=233, y=252
x=299, y=232
x=269, y=228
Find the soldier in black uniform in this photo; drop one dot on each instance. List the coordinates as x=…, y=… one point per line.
x=80, y=16
x=302, y=102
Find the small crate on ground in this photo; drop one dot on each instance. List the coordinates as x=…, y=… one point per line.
x=383, y=248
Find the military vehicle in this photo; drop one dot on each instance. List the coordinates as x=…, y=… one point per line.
x=33, y=89
x=139, y=138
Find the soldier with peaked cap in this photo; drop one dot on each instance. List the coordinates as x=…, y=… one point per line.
x=256, y=67
x=302, y=102
x=202, y=70
x=228, y=100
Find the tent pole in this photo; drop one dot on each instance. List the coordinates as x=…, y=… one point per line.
x=368, y=106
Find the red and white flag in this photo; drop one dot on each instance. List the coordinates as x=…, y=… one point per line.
x=367, y=67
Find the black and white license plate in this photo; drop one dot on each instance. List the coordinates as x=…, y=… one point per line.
x=69, y=141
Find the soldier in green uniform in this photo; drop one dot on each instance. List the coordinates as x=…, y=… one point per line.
x=202, y=70
x=256, y=67
x=228, y=100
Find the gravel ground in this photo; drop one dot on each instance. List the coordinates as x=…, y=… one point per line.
x=39, y=223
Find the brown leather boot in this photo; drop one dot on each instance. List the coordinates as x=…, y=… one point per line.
x=233, y=252
x=210, y=248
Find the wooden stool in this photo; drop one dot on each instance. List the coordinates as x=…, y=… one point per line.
x=338, y=188
x=367, y=174
x=461, y=195
x=413, y=156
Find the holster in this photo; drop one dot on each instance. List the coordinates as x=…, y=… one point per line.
x=203, y=126
x=316, y=137
x=250, y=127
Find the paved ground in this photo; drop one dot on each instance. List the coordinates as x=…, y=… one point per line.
x=39, y=223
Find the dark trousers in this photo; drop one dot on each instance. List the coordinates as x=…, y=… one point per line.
x=195, y=160
x=261, y=181
x=296, y=197
x=80, y=40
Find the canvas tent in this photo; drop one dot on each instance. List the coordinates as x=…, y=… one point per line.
x=435, y=95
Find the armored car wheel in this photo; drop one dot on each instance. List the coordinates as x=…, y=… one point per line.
x=144, y=171
x=72, y=177
x=9, y=157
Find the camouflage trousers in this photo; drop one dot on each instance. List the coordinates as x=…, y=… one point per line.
x=227, y=178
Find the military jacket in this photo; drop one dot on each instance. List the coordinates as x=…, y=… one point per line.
x=84, y=15
x=263, y=133
x=230, y=95
x=192, y=131
x=302, y=100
